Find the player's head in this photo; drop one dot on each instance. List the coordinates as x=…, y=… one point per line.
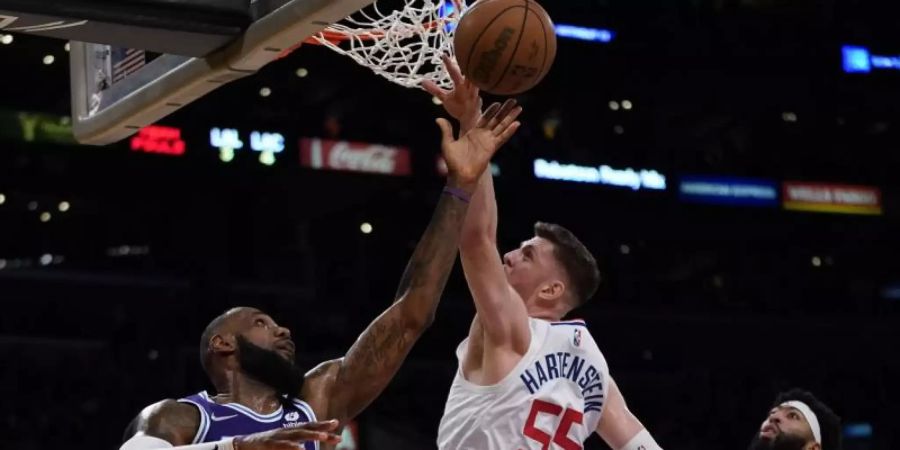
x=247, y=340
x=553, y=270
x=799, y=421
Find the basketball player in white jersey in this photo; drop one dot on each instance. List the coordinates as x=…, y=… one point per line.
x=527, y=380
x=263, y=400
x=798, y=421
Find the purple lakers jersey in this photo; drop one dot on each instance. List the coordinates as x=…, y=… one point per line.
x=218, y=422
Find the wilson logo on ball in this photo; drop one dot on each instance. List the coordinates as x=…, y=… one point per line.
x=488, y=61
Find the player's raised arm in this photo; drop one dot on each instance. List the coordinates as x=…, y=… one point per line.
x=619, y=428
x=376, y=356
x=506, y=317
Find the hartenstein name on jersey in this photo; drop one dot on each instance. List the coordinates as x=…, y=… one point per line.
x=565, y=365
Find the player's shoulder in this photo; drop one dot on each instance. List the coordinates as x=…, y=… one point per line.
x=168, y=419
x=318, y=384
x=170, y=408
x=325, y=373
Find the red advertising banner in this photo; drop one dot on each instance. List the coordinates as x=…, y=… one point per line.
x=354, y=157
x=834, y=198
x=160, y=140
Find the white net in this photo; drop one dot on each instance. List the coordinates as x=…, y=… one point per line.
x=403, y=45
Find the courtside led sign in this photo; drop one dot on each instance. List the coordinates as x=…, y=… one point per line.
x=159, y=140
x=630, y=178
x=832, y=198
x=728, y=191
x=36, y=127
x=229, y=140
x=858, y=59
x=348, y=156
x=584, y=33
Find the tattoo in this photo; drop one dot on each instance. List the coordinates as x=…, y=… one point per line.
x=376, y=356
x=169, y=420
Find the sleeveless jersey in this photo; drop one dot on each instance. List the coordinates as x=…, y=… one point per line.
x=218, y=422
x=552, y=399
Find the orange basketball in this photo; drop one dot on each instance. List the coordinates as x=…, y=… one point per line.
x=505, y=47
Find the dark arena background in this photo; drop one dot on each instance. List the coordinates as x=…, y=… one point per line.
x=757, y=252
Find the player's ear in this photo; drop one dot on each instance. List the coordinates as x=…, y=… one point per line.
x=552, y=290
x=223, y=343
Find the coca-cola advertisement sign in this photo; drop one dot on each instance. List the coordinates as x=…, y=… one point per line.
x=354, y=157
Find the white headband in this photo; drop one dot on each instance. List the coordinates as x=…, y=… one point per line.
x=810, y=417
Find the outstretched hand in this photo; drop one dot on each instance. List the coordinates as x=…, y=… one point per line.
x=290, y=438
x=468, y=157
x=463, y=102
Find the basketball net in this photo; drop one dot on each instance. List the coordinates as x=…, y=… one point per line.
x=403, y=45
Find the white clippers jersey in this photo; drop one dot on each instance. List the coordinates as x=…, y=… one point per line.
x=552, y=400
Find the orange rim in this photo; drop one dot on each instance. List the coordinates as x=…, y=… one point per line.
x=336, y=37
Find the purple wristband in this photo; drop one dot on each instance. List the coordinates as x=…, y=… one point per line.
x=458, y=193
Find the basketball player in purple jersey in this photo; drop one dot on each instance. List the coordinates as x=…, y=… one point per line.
x=263, y=400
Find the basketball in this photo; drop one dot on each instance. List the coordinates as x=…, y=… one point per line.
x=505, y=47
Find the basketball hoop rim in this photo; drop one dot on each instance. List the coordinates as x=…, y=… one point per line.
x=336, y=36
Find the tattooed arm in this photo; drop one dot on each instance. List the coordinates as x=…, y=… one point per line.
x=173, y=422
x=343, y=388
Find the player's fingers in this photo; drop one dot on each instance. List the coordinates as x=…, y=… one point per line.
x=432, y=88
x=453, y=70
x=446, y=131
x=508, y=106
x=488, y=115
x=472, y=92
x=327, y=425
x=508, y=119
x=508, y=133
x=504, y=111
x=301, y=435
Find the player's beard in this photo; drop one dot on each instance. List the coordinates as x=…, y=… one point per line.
x=270, y=368
x=782, y=441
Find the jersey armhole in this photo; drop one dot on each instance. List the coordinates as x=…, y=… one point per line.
x=310, y=414
x=305, y=408
x=533, y=347
x=203, y=428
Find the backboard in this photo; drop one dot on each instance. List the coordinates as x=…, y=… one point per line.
x=117, y=91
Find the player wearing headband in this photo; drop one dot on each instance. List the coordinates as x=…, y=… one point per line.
x=799, y=421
